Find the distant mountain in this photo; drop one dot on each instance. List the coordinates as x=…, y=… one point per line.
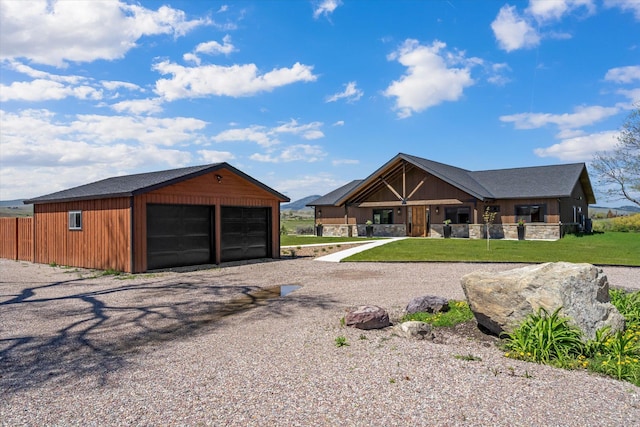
x=11, y=203
x=621, y=210
x=299, y=205
x=630, y=208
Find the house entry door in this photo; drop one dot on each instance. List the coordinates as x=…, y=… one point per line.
x=418, y=221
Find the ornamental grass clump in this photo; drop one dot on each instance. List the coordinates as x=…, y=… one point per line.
x=550, y=339
x=545, y=338
x=618, y=354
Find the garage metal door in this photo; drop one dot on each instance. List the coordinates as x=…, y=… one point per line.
x=245, y=233
x=179, y=235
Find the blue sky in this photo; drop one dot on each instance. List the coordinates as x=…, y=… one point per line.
x=307, y=95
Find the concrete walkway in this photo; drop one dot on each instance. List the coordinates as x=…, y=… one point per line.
x=338, y=256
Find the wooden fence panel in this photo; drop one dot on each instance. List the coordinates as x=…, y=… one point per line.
x=8, y=242
x=25, y=239
x=16, y=238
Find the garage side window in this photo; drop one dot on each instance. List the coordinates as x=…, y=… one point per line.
x=75, y=220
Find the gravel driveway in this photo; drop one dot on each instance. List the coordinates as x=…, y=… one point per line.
x=213, y=347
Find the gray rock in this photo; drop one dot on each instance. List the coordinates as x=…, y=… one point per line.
x=501, y=301
x=414, y=329
x=428, y=304
x=368, y=317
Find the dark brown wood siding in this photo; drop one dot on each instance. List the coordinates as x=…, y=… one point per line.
x=103, y=241
x=232, y=190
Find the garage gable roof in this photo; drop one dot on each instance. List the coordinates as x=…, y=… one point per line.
x=515, y=183
x=131, y=185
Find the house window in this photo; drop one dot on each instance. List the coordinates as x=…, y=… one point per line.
x=531, y=213
x=458, y=215
x=75, y=220
x=383, y=216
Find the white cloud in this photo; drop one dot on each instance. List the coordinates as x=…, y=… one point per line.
x=43, y=90
x=623, y=74
x=632, y=94
x=53, y=33
x=139, y=106
x=351, y=93
x=582, y=116
x=326, y=7
x=47, y=152
x=47, y=86
x=339, y=123
x=632, y=6
x=258, y=134
x=513, y=31
x=430, y=78
x=30, y=134
x=214, y=48
x=210, y=48
x=267, y=137
x=299, y=152
x=546, y=10
x=305, y=185
x=580, y=148
x=211, y=156
x=497, y=74
x=217, y=80
x=307, y=131
x=115, y=85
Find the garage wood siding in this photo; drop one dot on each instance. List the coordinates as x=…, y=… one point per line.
x=102, y=243
x=204, y=190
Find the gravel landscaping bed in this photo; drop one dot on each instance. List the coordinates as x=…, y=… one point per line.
x=213, y=347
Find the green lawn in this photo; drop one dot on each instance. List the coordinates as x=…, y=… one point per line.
x=612, y=248
x=290, y=240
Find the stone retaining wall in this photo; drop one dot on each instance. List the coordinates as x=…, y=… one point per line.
x=533, y=231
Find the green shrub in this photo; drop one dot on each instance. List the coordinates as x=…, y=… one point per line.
x=627, y=223
x=459, y=312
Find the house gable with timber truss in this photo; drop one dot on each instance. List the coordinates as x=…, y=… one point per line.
x=413, y=196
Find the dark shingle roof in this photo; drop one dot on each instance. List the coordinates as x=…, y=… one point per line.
x=130, y=185
x=330, y=199
x=531, y=182
x=528, y=182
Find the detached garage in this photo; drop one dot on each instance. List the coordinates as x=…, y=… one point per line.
x=190, y=216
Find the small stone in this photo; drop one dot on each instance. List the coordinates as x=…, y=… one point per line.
x=368, y=317
x=427, y=304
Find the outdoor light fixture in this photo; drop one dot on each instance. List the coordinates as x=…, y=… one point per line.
x=219, y=178
x=399, y=211
x=437, y=209
x=319, y=212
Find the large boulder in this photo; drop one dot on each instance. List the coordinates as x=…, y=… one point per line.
x=368, y=317
x=501, y=301
x=427, y=304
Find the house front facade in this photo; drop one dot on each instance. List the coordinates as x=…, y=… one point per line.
x=413, y=196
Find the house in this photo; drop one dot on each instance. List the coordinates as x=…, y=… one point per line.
x=413, y=196
x=189, y=216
